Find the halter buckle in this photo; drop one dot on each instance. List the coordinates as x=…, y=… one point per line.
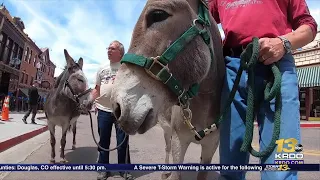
x=156, y=67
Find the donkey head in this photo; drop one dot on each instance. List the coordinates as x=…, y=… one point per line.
x=138, y=99
x=74, y=76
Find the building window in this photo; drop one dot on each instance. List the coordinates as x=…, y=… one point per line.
x=22, y=77
x=34, y=61
x=29, y=58
x=3, y=40
x=20, y=53
x=31, y=81
x=11, y=48
x=26, y=80
x=7, y=50
x=26, y=54
x=15, y=50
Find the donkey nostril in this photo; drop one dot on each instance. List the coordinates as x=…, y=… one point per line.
x=117, y=111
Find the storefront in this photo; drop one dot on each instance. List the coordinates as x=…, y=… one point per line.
x=309, y=86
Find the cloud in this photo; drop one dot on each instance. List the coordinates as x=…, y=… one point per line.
x=84, y=28
x=315, y=12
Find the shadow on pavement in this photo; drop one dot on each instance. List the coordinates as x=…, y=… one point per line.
x=137, y=174
x=88, y=155
x=193, y=175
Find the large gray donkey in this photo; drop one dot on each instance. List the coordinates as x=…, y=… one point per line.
x=63, y=103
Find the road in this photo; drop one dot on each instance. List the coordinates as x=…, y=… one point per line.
x=147, y=148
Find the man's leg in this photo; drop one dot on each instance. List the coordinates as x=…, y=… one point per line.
x=27, y=114
x=123, y=150
x=290, y=118
x=34, y=113
x=105, y=123
x=232, y=128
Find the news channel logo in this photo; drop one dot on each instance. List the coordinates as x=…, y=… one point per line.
x=289, y=151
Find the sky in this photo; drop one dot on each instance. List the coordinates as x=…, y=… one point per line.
x=85, y=28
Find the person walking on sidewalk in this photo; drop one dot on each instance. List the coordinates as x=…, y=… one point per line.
x=286, y=25
x=104, y=80
x=33, y=103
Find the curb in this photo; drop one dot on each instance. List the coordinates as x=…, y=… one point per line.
x=310, y=125
x=21, y=138
x=304, y=125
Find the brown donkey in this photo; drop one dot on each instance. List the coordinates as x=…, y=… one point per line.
x=158, y=90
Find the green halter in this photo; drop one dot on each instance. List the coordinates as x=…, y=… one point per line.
x=157, y=66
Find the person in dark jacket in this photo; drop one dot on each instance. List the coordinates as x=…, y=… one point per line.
x=33, y=103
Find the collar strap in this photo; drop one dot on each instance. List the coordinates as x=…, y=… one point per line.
x=161, y=72
x=157, y=66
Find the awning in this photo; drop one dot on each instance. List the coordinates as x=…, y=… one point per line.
x=309, y=76
x=24, y=92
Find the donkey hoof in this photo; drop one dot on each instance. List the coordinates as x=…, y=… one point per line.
x=165, y=175
x=63, y=161
x=52, y=161
x=73, y=147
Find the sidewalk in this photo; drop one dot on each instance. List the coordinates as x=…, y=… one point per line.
x=15, y=131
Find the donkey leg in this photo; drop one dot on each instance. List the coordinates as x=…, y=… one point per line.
x=179, y=146
x=63, y=143
x=167, y=139
x=74, y=130
x=52, y=129
x=208, y=148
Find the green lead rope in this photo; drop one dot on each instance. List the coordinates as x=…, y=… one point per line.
x=249, y=58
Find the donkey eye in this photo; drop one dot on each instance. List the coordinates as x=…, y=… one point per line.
x=156, y=16
x=81, y=80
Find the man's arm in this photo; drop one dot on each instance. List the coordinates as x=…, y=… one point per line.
x=213, y=9
x=95, y=92
x=305, y=29
x=302, y=22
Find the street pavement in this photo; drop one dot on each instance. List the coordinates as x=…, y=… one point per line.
x=146, y=148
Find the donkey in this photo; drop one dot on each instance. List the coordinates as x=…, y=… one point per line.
x=62, y=107
x=139, y=97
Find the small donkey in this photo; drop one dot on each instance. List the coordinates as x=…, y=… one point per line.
x=62, y=107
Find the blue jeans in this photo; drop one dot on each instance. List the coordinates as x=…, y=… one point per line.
x=233, y=128
x=105, y=122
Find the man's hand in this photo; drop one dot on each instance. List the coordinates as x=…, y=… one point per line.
x=271, y=50
x=86, y=105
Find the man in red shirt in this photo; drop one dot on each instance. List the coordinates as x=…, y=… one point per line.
x=272, y=21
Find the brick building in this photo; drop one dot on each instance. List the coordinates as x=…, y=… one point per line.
x=12, y=41
x=21, y=62
x=307, y=60
x=28, y=70
x=47, y=69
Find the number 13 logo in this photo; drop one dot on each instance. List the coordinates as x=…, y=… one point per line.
x=291, y=142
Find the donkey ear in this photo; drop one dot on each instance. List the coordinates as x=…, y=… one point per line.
x=80, y=62
x=70, y=61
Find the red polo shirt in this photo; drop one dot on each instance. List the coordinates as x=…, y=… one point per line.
x=243, y=19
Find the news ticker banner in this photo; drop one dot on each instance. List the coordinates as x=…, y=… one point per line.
x=159, y=167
